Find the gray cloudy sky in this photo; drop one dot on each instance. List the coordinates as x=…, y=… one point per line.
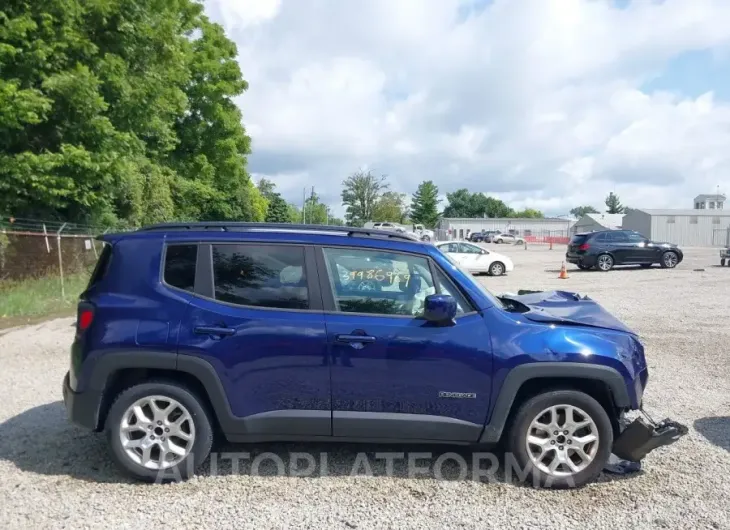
x=544, y=103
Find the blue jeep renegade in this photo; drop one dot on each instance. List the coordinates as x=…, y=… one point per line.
x=261, y=332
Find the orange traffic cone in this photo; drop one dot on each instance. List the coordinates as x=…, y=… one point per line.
x=563, y=273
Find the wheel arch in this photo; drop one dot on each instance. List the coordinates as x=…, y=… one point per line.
x=603, y=383
x=116, y=371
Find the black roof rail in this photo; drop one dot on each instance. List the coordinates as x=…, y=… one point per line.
x=227, y=226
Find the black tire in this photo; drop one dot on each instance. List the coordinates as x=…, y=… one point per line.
x=502, y=269
x=722, y=262
x=520, y=428
x=670, y=260
x=608, y=260
x=202, y=442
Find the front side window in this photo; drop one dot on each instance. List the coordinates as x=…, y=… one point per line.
x=469, y=249
x=180, y=266
x=378, y=282
x=268, y=276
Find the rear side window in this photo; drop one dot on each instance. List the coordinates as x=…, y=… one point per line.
x=261, y=276
x=578, y=240
x=102, y=265
x=180, y=266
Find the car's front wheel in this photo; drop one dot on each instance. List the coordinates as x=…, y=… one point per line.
x=158, y=430
x=496, y=269
x=669, y=260
x=560, y=439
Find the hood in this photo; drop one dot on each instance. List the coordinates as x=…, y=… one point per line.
x=563, y=307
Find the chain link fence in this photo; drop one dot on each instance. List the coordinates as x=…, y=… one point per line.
x=36, y=249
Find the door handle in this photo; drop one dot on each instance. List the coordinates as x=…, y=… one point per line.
x=362, y=339
x=212, y=330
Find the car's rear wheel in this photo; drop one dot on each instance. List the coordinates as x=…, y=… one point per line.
x=560, y=439
x=497, y=268
x=604, y=262
x=158, y=431
x=426, y=238
x=722, y=262
x=669, y=260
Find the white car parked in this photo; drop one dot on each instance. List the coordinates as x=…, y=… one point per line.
x=475, y=259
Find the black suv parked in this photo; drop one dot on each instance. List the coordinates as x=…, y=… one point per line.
x=607, y=248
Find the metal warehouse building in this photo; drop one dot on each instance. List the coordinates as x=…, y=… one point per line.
x=691, y=228
x=594, y=222
x=460, y=228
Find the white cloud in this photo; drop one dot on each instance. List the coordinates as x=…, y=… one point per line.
x=538, y=101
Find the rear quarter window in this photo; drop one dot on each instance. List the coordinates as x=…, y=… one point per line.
x=102, y=265
x=578, y=240
x=180, y=266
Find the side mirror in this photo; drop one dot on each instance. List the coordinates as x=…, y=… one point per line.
x=483, y=251
x=440, y=309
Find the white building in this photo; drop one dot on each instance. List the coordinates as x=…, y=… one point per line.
x=689, y=228
x=709, y=202
x=460, y=228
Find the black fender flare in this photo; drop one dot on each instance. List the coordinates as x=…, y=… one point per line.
x=543, y=370
x=109, y=363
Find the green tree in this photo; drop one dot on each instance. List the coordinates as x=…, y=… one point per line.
x=121, y=112
x=317, y=213
x=424, y=206
x=613, y=205
x=278, y=211
x=391, y=206
x=360, y=194
x=528, y=213
x=266, y=188
x=464, y=204
x=295, y=214
x=581, y=211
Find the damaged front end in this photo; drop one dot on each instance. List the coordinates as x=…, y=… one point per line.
x=643, y=435
x=637, y=439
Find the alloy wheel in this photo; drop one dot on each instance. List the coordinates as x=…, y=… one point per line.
x=157, y=432
x=562, y=440
x=670, y=260
x=605, y=262
x=497, y=269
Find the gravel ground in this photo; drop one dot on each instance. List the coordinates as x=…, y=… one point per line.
x=54, y=475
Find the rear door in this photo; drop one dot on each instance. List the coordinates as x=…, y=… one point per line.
x=258, y=322
x=620, y=247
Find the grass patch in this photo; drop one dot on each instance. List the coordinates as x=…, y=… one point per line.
x=37, y=297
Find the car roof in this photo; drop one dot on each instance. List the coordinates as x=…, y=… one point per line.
x=274, y=232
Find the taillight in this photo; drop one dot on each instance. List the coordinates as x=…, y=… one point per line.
x=584, y=246
x=86, y=317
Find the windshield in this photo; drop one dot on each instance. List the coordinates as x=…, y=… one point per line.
x=473, y=281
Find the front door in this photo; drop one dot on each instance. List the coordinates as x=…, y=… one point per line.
x=262, y=329
x=394, y=375
x=642, y=251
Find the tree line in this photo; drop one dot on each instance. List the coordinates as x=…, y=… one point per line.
x=367, y=197
x=613, y=206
